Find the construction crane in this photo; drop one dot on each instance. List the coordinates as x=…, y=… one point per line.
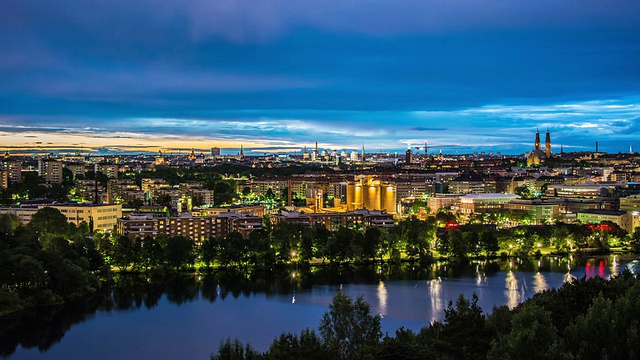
x=426, y=147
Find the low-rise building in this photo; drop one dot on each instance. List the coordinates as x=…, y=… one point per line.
x=540, y=211
x=102, y=217
x=596, y=216
x=98, y=216
x=483, y=203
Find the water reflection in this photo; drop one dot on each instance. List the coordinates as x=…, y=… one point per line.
x=445, y=281
x=437, y=302
x=539, y=283
x=382, y=298
x=481, y=279
x=512, y=290
x=568, y=277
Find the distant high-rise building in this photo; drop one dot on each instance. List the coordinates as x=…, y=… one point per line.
x=10, y=171
x=109, y=170
x=50, y=169
x=215, y=151
x=408, y=157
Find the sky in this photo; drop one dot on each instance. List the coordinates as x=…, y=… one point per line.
x=121, y=76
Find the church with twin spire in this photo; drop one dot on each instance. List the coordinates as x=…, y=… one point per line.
x=537, y=155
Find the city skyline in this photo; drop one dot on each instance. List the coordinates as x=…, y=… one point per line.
x=118, y=77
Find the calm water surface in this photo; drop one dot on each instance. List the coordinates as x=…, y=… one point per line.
x=188, y=320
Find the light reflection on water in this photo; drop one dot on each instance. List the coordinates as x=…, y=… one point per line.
x=437, y=300
x=568, y=278
x=540, y=282
x=512, y=291
x=410, y=298
x=382, y=299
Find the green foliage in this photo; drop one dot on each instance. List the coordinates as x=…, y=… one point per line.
x=48, y=220
x=348, y=329
x=292, y=347
x=635, y=240
x=416, y=235
x=233, y=350
x=526, y=191
x=58, y=268
x=532, y=336
x=179, y=252
x=464, y=334
x=489, y=242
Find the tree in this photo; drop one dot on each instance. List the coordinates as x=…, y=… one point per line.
x=231, y=249
x=372, y=242
x=348, y=329
x=123, y=252
x=234, y=350
x=48, y=220
x=151, y=252
x=599, y=240
x=285, y=237
x=416, y=235
x=338, y=248
x=531, y=337
x=635, y=240
x=464, y=334
x=292, y=347
x=489, y=242
x=443, y=217
x=209, y=250
x=526, y=191
x=179, y=252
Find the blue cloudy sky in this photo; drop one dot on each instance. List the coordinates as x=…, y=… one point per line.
x=121, y=75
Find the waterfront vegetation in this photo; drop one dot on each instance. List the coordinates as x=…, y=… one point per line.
x=49, y=261
x=584, y=319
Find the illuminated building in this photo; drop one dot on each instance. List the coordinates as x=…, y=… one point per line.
x=631, y=204
x=109, y=170
x=472, y=185
x=102, y=216
x=50, y=169
x=596, y=216
x=122, y=191
x=196, y=228
x=482, y=203
x=99, y=217
x=539, y=210
x=408, y=157
x=367, y=192
x=10, y=172
x=537, y=155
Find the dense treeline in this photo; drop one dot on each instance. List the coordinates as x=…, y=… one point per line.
x=48, y=262
x=586, y=319
x=411, y=239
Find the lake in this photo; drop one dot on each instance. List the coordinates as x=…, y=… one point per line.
x=186, y=317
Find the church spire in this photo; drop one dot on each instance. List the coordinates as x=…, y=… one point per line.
x=547, y=144
x=536, y=145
